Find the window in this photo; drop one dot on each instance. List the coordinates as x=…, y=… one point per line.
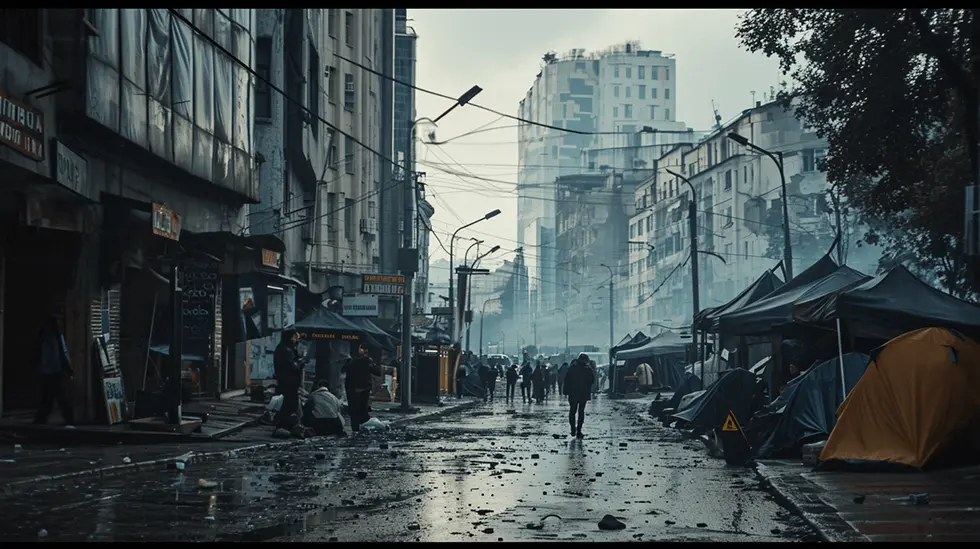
x=666, y=114
x=615, y=72
x=580, y=67
x=745, y=174
x=349, y=154
x=554, y=151
x=564, y=110
x=331, y=216
x=728, y=180
x=629, y=89
x=21, y=30
x=313, y=90
x=629, y=72
x=349, y=28
x=745, y=246
x=263, y=62
x=808, y=163
x=615, y=91
x=332, y=151
x=628, y=111
x=728, y=216
x=641, y=72
x=666, y=73
x=639, y=228
x=349, y=216
x=372, y=209
x=654, y=74
x=666, y=93
x=653, y=112
x=349, y=92
x=641, y=92
x=751, y=173
x=332, y=22
x=653, y=93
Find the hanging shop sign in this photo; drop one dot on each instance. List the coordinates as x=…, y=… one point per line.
x=381, y=284
x=70, y=170
x=270, y=258
x=199, y=289
x=166, y=222
x=361, y=305
x=21, y=128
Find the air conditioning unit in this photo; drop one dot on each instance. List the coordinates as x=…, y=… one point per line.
x=349, y=87
x=369, y=226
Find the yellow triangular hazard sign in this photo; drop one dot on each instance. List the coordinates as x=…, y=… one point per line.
x=730, y=423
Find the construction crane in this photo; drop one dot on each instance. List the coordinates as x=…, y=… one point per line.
x=714, y=107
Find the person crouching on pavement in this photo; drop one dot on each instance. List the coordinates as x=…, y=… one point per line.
x=578, y=387
x=512, y=375
x=488, y=376
x=358, y=385
x=322, y=411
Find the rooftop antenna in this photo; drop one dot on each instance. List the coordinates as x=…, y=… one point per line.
x=753, y=98
x=714, y=107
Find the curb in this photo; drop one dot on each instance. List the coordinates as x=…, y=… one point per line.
x=828, y=526
x=195, y=457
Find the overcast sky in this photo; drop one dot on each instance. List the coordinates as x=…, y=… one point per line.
x=500, y=50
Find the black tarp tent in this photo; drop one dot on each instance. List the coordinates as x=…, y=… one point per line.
x=764, y=286
x=665, y=353
x=662, y=343
x=891, y=304
x=384, y=338
x=325, y=325
x=737, y=391
x=690, y=384
x=776, y=309
x=472, y=384
x=631, y=342
x=806, y=411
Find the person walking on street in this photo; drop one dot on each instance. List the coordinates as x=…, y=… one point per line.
x=562, y=372
x=526, y=373
x=488, y=375
x=512, y=376
x=461, y=374
x=53, y=369
x=538, y=383
x=553, y=379
x=578, y=387
x=288, y=370
x=358, y=384
x=595, y=375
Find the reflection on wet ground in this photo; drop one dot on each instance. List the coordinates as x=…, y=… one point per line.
x=500, y=472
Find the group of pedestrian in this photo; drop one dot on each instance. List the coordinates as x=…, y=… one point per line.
x=322, y=414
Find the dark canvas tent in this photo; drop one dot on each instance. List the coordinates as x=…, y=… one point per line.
x=323, y=324
x=777, y=308
x=890, y=304
x=665, y=353
x=631, y=342
x=806, y=410
x=384, y=338
x=472, y=384
x=690, y=384
x=762, y=287
x=736, y=390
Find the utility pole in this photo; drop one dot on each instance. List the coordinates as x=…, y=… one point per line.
x=612, y=364
x=408, y=265
x=692, y=216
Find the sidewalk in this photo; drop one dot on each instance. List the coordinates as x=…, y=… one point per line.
x=828, y=501
x=39, y=463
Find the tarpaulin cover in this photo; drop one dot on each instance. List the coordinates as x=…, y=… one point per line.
x=472, y=384
x=384, y=338
x=736, y=391
x=890, y=304
x=764, y=286
x=806, y=409
x=690, y=384
x=662, y=343
x=919, y=393
x=668, y=370
x=777, y=309
x=323, y=321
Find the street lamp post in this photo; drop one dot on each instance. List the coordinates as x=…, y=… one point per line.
x=612, y=366
x=469, y=296
x=452, y=275
x=692, y=213
x=776, y=157
x=408, y=257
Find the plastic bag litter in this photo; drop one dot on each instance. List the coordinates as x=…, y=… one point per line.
x=374, y=423
x=275, y=403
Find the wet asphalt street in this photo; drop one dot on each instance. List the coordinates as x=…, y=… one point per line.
x=496, y=472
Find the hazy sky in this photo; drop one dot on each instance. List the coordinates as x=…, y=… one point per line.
x=501, y=50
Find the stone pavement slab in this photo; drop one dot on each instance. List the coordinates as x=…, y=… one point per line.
x=852, y=506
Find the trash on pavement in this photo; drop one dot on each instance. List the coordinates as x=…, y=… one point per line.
x=610, y=522
x=42, y=533
x=919, y=499
x=18, y=447
x=127, y=460
x=374, y=423
x=207, y=484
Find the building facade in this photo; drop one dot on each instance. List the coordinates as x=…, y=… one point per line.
x=622, y=89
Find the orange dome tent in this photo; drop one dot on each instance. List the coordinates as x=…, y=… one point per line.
x=919, y=393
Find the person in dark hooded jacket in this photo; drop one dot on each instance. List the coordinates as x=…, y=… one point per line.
x=526, y=373
x=578, y=388
x=539, y=380
x=512, y=375
x=54, y=372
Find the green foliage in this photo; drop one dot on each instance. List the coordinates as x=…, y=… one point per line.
x=894, y=93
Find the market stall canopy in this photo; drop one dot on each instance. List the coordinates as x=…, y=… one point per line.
x=913, y=407
x=777, y=308
x=890, y=304
x=639, y=340
x=662, y=343
x=764, y=286
x=323, y=324
x=371, y=328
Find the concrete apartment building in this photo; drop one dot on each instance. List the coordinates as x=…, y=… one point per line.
x=621, y=89
x=739, y=216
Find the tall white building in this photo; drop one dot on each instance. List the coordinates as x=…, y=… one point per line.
x=621, y=89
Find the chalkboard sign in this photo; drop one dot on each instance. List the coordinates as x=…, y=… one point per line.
x=199, y=285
